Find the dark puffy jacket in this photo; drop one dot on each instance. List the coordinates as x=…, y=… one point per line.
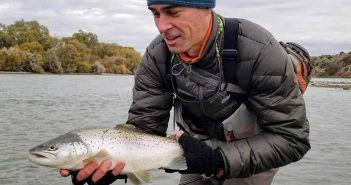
x=274, y=97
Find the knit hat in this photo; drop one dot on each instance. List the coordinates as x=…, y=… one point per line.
x=188, y=3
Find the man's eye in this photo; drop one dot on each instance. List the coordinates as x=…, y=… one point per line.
x=173, y=13
x=155, y=14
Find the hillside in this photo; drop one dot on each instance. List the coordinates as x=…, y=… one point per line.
x=338, y=66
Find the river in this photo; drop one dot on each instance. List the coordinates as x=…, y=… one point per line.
x=35, y=108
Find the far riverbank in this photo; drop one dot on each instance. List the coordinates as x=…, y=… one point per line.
x=343, y=83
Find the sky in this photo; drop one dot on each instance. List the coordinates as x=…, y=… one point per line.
x=321, y=26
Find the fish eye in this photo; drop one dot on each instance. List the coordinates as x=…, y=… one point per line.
x=52, y=147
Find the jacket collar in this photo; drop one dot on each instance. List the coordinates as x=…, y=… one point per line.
x=208, y=60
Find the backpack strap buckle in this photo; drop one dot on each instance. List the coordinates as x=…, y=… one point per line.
x=230, y=55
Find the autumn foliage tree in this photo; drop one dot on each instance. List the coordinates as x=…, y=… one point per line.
x=27, y=46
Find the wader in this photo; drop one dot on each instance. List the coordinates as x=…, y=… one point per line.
x=264, y=178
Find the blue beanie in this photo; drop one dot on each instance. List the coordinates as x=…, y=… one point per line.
x=188, y=3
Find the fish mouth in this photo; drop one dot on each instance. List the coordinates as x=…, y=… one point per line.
x=39, y=156
x=36, y=155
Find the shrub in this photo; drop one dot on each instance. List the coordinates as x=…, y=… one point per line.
x=12, y=59
x=69, y=57
x=98, y=68
x=84, y=67
x=52, y=63
x=33, y=47
x=33, y=63
x=332, y=68
x=121, y=69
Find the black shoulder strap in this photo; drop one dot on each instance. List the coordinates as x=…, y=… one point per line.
x=168, y=72
x=230, y=55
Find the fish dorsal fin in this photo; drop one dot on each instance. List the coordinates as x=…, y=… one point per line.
x=128, y=127
x=177, y=164
x=140, y=177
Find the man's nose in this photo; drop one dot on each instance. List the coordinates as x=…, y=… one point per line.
x=163, y=24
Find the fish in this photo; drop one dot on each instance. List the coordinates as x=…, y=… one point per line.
x=141, y=152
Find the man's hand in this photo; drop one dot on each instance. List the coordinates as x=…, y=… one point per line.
x=94, y=173
x=201, y=158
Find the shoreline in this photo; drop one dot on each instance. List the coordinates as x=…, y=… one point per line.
x=335, y=86
x=313, y=83
x=46, y=73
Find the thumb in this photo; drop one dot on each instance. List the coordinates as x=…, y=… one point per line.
x=178, y=134
x=64, y=172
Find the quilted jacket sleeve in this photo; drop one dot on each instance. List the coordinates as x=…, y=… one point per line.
x=281, y=114
x=152, y=102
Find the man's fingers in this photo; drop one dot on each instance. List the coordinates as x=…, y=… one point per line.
x=87, y=171
x=118, y=169
x=64, y=172
x=101, y=171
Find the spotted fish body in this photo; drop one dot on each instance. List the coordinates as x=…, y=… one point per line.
x=140, y=151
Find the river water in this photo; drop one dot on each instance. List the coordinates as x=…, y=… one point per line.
x=35, y=108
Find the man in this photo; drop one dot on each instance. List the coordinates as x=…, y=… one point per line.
x=191, y=41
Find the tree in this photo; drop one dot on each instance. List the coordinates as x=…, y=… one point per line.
x=4, y=37
x=113, y=65
x=69, y=58
x=87, y=38
x=83, y=50
x=332, y=68
x=21, y=32
x=84, y=67
x=107, y=50
x=2, y=58
x=32, y=47
x=98, y=68
x=132, y=56
x=12, y=59
x=52, y=63
x=33, y=62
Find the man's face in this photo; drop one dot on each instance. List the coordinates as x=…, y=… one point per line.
x=182, y=28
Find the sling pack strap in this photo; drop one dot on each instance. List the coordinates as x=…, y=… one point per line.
x=230, y=56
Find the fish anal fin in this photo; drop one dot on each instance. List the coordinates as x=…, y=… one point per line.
x=177, y=164
x=139, y=177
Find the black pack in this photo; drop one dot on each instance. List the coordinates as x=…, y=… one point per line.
x=300, y=57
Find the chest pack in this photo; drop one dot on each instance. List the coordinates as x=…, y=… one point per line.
x=299, y=56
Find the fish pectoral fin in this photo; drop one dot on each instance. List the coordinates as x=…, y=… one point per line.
x=100, y=155
x=140, y=177
x=177, y=164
